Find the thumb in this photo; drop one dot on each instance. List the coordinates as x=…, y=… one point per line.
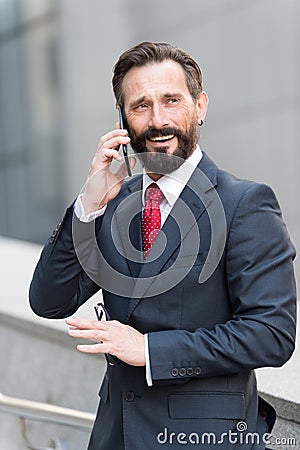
x=121, y=173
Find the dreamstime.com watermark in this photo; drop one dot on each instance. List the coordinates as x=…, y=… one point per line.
x=240, y=436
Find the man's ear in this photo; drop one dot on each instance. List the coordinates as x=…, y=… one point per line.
x=201, y=106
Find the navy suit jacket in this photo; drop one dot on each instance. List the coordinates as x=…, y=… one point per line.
x=216, y=296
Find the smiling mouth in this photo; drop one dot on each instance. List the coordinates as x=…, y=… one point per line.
x=161, y=138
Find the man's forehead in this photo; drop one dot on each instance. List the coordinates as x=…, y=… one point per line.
x=167, y=76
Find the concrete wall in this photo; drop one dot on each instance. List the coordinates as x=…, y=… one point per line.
x=37, y=358
x=42, y=364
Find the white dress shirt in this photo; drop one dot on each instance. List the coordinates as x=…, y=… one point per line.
x=171, y=186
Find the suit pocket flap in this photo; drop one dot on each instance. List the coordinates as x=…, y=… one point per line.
x=207, y=405
x=196, y=259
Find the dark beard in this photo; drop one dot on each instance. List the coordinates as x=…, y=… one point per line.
x=160, y=162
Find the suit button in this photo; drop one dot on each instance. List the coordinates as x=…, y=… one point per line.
x=174, y=372
x=197, y=370
x=190, y=371
x=182, y=372
x=129, y=396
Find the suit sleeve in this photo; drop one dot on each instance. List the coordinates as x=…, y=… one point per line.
x=60, y=285
x=262, y=292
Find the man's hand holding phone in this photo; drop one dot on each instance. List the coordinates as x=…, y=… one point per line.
x=102, y=184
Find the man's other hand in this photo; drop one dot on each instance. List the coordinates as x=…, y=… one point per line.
x=111, y=337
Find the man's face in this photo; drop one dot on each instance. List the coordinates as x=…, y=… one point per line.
x=162, y=116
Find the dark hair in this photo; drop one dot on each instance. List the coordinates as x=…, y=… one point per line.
x=155, y=52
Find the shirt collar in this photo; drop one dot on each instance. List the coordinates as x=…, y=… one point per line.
x=172, y=184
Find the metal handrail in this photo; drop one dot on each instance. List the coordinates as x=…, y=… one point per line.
x=46, y=413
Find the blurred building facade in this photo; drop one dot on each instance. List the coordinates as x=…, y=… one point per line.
x=56, y=59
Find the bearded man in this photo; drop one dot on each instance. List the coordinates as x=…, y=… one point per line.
x=195, y=267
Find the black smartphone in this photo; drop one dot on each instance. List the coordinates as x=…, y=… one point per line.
x=102, y=314
x=123, y=125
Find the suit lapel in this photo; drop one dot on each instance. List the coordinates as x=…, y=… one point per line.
x=193, y=201
x=127, y=218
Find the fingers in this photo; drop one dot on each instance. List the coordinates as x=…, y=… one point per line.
x=113, y=337
x=94, y=348
x=107, y=150
x=96, y=335
x=102, y=183
x=91, y=335
x=113, y=139
x=114, y=133
x=92, y=330
x=85, y=324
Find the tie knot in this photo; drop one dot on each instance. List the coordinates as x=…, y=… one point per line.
x=153, y=193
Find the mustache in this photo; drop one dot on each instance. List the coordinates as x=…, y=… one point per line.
x=154, y=133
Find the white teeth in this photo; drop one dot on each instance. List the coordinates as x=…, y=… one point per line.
x=162, y=138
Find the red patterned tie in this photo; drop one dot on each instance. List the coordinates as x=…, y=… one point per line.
x=151, y=217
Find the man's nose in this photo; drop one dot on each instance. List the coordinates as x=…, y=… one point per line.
x=159, y=118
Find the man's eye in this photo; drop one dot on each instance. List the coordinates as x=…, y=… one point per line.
x=173, y=100
x=142, y=106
